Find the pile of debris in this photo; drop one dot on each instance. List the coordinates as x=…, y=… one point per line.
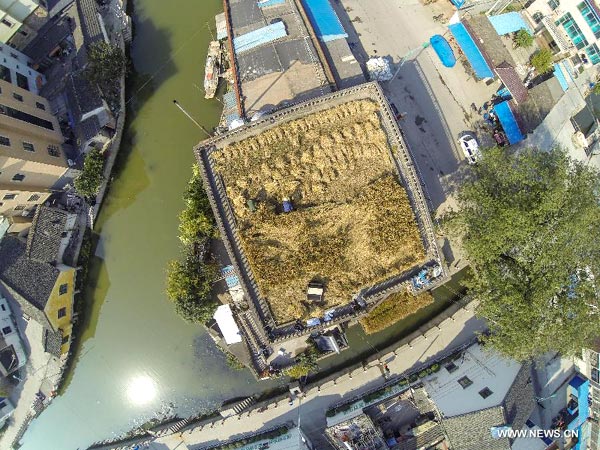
x=379, y=69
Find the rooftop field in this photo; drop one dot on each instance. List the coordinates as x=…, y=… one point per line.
x=352, y=225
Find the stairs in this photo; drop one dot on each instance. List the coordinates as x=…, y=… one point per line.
x=237, y=408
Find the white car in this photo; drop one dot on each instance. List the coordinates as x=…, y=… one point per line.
x=470, y=148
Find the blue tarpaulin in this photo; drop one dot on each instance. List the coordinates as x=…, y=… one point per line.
x=509, y=122
x=560, y=76
x=468, y=46
x=325, y=21
x=509, y=23
x=458, y=3
x=443, y=50
x=259, y=37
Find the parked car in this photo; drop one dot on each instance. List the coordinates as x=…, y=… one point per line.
x=470, y=148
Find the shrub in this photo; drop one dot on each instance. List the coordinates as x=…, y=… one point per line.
x=397, y=306
x=435, y=368
x=414, y=377
x=423, y=373
x=523, y=38
x=542, y=61
x=403, y=382
x=89, y=181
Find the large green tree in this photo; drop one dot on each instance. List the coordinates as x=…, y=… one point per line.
x=530, y=223
x=91, y=177
x=196, y=221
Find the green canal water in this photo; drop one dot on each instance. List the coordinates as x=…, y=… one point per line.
x=136, y=359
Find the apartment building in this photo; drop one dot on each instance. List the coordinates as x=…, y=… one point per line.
x=20, y=20
x=568, y=27
x=32, y=161
x=589, y=365
x=16, y=68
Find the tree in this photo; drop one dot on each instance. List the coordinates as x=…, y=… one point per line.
x=196, y=221
x=106, y=64
x=542, y=61
x=523, y=38
x=529, y=223
x=306, y=362
x=596, y=89
x=189, y=284
x=89, y=181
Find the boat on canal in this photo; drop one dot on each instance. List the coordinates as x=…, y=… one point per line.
x=211, y=70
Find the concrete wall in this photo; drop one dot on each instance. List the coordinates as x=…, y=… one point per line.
x=18, y=63
x=24, y=200
x=12, y=15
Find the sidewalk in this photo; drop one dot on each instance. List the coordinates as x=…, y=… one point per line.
x=310, y=412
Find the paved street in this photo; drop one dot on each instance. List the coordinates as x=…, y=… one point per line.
x=311, y=413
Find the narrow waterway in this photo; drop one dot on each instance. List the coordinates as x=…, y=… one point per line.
x=136, y=358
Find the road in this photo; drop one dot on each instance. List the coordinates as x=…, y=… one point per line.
x=451, y=333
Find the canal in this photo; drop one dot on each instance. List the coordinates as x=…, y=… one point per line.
x=136, y=359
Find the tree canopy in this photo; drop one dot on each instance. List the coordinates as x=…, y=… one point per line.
x=89, y=181
x=530, y=227
x=541, y=61
x=523, y=38
x=196, y=221
x=106, y=64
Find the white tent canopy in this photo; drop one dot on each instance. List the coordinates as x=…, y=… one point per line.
x=227, y=325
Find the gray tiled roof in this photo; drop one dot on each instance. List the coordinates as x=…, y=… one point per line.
x=32, y=280
x=56, y=30
x=520, y=399
x=542, y=98
x=44, y=237
x=83, y=97
x=52, y=342
x=90, y=23
x=472, y=431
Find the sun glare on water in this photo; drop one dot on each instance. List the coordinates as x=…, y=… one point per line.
x=141, y=390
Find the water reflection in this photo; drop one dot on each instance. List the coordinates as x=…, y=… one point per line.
x=141, y=390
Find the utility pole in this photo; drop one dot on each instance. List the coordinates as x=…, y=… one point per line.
x=191, y=118
x=408, y=55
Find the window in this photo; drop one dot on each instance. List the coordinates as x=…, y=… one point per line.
x=19, y=207
x=22, y=81
x=451, y=367
x=5, y=74
x=590, y=17
x=62, y=312
x=53, y=150
x=465, y=382
x=23, y=32
x=595, y=375
x=3, y=307
x=593, y=53
x=485, y=392
x=537, y=17
x=28, y=147
x=65, y=339
x=41, y=106
x=553, y=4
x=9, y=197
x=573, y=30
x=62, y=290
x=18, y=97
x=33, y=198
x=4, y=141
x=8, y=23
x=6, y=330
x=26, y=117
x=18, y=177
x=14, y=55
x=2, y=404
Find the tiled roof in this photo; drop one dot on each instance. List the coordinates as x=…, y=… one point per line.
x=52, y=342
x=32, y=280
x=540, y=101
x=472, y=431
x=44, y=237
x=520, y=400
x=83, y=97
x=49, y=37
x=511, y=79
x=90, y=23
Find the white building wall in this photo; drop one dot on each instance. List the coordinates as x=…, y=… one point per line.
x=18, y=62
x=12, y=15
x=10, y=334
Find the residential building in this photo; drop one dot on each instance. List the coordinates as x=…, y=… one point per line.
x=15, y=67
x=589, y=366
x=61, y=52
x=568, y=27
x=478, y=392
x=20, y=20
x=6, y=410
x=12, y=354
x=32, y=162
x=39, y=274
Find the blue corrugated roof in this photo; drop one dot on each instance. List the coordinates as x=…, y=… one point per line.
x=468, y=46
x=509, y=23
x=325, y=21
x=259, y=37
x=266, y=3
x=508, y=122
x=560, y=76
